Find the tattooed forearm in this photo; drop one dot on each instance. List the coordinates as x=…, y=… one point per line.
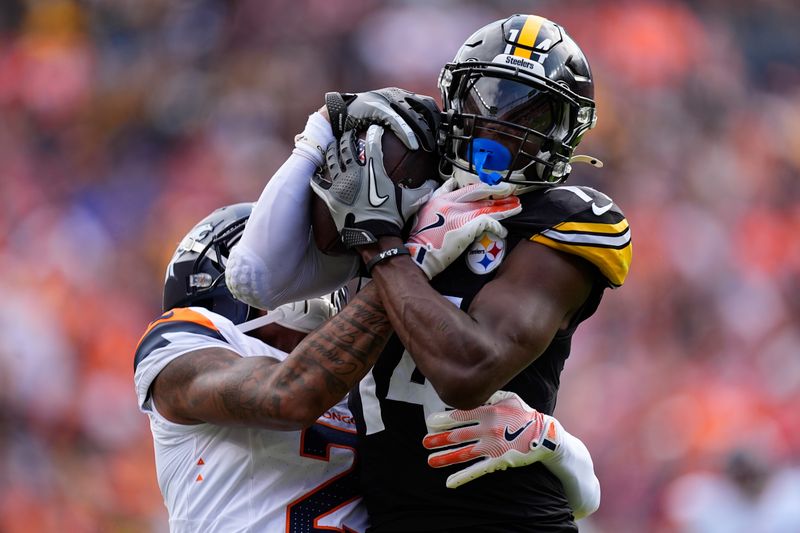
x=339, y=364
x=342, y=351
x=218, y=386
x=321, y=370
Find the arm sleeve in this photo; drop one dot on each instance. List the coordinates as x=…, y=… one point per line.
x=276, y=261
x=572, y=464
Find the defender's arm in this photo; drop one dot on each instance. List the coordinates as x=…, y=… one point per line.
x=218, y=386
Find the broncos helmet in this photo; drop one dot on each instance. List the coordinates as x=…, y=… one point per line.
x=517, y=99
x=196, y=277
x=196, y=272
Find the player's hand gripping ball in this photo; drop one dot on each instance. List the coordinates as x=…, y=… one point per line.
x=407, y=168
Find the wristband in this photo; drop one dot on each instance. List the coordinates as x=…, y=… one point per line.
x=384, y=255
x=314, y=139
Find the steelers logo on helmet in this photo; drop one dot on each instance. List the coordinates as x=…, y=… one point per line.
x=518, y=97
x=486, y=253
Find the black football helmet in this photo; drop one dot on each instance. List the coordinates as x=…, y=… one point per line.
x=517, y=99
x=196, y=272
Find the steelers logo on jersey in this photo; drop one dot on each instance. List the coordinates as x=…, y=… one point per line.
x=486, y=253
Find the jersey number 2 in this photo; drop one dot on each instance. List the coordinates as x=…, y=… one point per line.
x=304, y=513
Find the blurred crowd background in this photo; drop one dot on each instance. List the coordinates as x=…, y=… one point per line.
x=123, y=122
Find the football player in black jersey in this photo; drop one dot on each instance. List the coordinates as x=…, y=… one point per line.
x=517, y=100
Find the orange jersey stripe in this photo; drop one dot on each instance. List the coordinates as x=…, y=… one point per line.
x=179, y=314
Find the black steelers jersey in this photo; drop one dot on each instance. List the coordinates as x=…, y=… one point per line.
x=402, y=492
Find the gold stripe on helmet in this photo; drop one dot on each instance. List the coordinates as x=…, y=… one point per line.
x=527, y=36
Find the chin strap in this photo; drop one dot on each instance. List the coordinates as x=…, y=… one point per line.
x=263, y=320
x=304, y=316
x=588, y=159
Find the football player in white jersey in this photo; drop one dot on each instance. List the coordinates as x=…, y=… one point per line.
x=245, y=438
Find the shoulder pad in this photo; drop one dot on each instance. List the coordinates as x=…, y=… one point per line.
x=580, y=221
x=575, y=199
x=173, y=321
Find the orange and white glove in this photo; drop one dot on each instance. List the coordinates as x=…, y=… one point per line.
x=453, y=218
x=505, y=431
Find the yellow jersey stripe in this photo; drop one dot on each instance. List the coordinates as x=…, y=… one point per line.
x=613, y=263
x=527, y=36
x=593, y=227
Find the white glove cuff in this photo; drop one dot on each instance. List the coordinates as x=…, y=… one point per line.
x=314, y=139
x=305, y=316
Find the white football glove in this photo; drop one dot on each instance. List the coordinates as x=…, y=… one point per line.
x=505, y=431
x=453, y=219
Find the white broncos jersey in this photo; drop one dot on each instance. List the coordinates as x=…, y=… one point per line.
x=225, y=479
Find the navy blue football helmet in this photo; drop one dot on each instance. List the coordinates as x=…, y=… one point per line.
x=196, y=277
x=196, y=272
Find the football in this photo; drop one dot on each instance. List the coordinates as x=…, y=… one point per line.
x=407, y=168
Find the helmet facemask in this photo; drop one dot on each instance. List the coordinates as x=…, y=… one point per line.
x=504, y=123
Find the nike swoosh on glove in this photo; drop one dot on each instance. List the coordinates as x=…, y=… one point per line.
x=453, y=218
x=505, y=432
